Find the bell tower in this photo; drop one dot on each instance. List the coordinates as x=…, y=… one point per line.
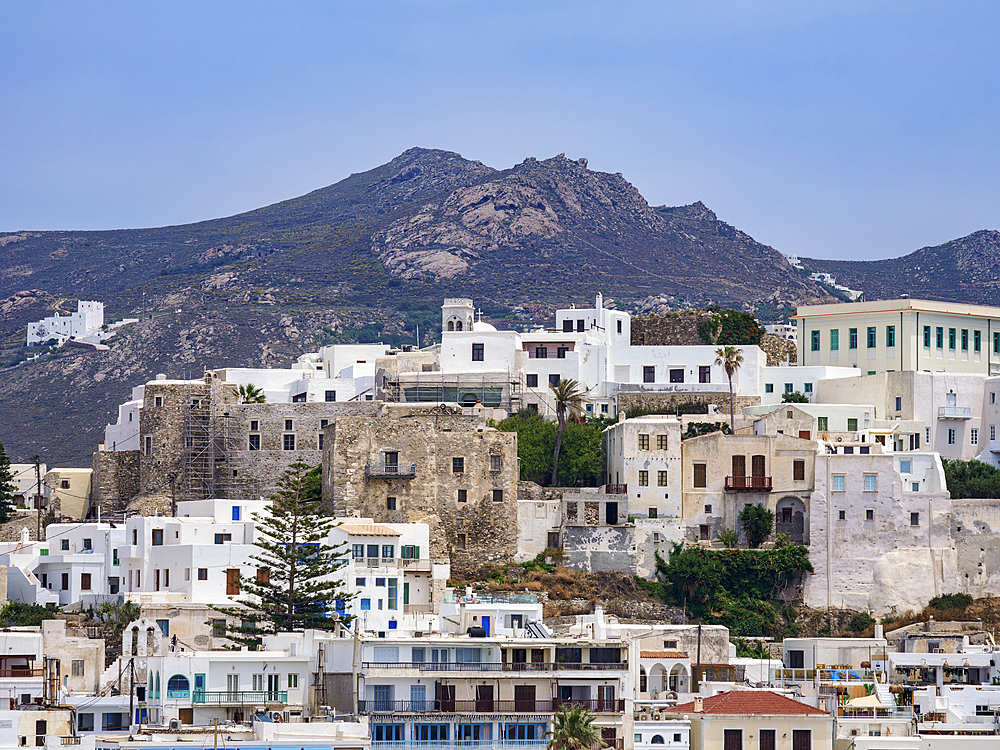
x=456, y=315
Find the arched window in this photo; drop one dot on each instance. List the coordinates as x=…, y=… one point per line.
x=458, y=326
x=451, y=325
x=657, y=739
x=157, y=684
x=178, y=687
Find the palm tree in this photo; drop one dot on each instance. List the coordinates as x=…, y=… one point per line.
x=251, y=394
x=568, y=397
x=730, y=358
x=573, y=729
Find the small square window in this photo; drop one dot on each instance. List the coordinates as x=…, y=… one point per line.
x=496, y=463
x=478, y=352
x=288, y=442
x=463, y=496
x=708, y=508
x=839, y=482
x=498, y=496
x=554, y=379
x=649, y=374
x=254, y=442
x=643, y=442
x=807, y=388
x=254, y=425
x=531, y=380
x=842, y=515
x=768, y=387
x=461, y=541
x=676, y=375
x=359, y=582
x=202, y=574
x=661, y=442
x=871, y=482
x=390, y=503
x=331, y=396
x=288, y=424
x=64, y=545
x=661, y=479
x=652, y=512
x=643, y=478
x=914, y=519
x=158, y=401
x=458, y=465
x=870, y=514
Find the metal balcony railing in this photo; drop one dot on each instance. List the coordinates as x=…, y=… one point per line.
x=239, y=697
x=390, y=471
x=751, y=484
x=954, y=412
x=495, y=666
x=487, y=706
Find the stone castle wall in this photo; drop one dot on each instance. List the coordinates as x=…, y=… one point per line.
x=116, y=479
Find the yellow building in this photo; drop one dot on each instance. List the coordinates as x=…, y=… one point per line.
x=901, y=334
x=755, y=720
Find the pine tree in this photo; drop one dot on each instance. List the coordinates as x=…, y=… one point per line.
x=295, y=587
x=7, y=487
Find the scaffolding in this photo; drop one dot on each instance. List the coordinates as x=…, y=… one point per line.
x=210, y=442
x=499, y=389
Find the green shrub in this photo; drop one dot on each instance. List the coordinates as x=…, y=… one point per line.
x=861, y=621
x=757, y=522
x=730, y=538
x=950, y=601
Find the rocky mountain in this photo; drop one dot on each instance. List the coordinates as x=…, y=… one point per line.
x=368, y=258
x=962, y=270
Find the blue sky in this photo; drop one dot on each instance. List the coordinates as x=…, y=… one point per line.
x=836, y=130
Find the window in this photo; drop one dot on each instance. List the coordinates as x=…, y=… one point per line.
x=358, y=551
x=288, y=424
x=85, y=581
x=652, y=513
x=822, y=424
x=643, y=478
x=798, y=470
x=619, y=326
x=157, y=537
x=890, y=336
x=704, y=374
x=996, y=343
x=320, y=441
x=85, y=722
x=496, y=462
x=457, y=465
x=148, y=445
x=871, y=337
x=993, y=398
x=768, y=387
x=871, y=482
x=807, y=388
x=461, y=541
x=661, y=479
x=541, y=352
x=814, y=341
x=164, y=626
x=366, y=604
x=561, y=352
x=974, y=436
x=649, y=374
x=202, y=574
x=158, y=401
x=700, y=475
x=852, y=338
x=676, y=375
x=905, y=465
x=852, y=424
x=789, y=387
x=708, y=508
x=390, y=503
x=834, y=339
x=531, y=380
x=993, y=432
x=914, y=519
x=567, y=326
x=255, y=442
x=661, y=442
x=554, y=379
x=478, y=352
x=643, y=442
x=732, y=739
x=965, y=339
x=839, y=481
x=927, y=434
x=951, y=338
x=463, y=496
x=64, y=580
x=498, y=496
x=927, y=337
x=842, y=515
x=64, y=545
x=952, y=436
x=78, y=667
x=288, y=442
x=801, y=739
x=899, y=403
x=977, y=341
x=222, y=538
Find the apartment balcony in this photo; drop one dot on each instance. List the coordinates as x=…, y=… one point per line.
x=411, y=565
x=20, y=673
x=954, y=412
x=875, y=712
x=595, y=705
x=418, y=609
x=493, y=666
x=240, y=697
x=390, y=471
x=748, y=484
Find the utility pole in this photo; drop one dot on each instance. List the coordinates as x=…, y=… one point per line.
x=38, y=497
x=697, y=671
x=131, y=691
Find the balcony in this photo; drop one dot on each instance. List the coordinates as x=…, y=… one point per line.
x=462, y=744
x=748, y=484
x=240, y=697
x=875, y=712
x=596, y=705
x=616, y=489
x=418, y=609
x=495, y=666
x=414, y=565
x=390, y=471
x=24, y=672
x=954, y=412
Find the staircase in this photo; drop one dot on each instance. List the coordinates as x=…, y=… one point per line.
x=884, y=696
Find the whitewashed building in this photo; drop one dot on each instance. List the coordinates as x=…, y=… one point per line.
x=88, y=319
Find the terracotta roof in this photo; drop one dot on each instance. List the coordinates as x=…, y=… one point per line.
x=367, y=529
x=750, y=702
x=662, y=655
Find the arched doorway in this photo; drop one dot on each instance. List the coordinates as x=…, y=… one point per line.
x=790, y=519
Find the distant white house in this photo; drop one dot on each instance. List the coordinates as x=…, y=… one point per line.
x=88, y=319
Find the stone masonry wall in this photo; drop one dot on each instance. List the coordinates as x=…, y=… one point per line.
x=116, y=479
x=669, y=329
x=429, y=437
x=670, y=401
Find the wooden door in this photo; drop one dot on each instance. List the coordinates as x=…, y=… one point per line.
x=739, y=466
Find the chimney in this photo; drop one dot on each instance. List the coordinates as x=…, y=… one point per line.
x=699, y=704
